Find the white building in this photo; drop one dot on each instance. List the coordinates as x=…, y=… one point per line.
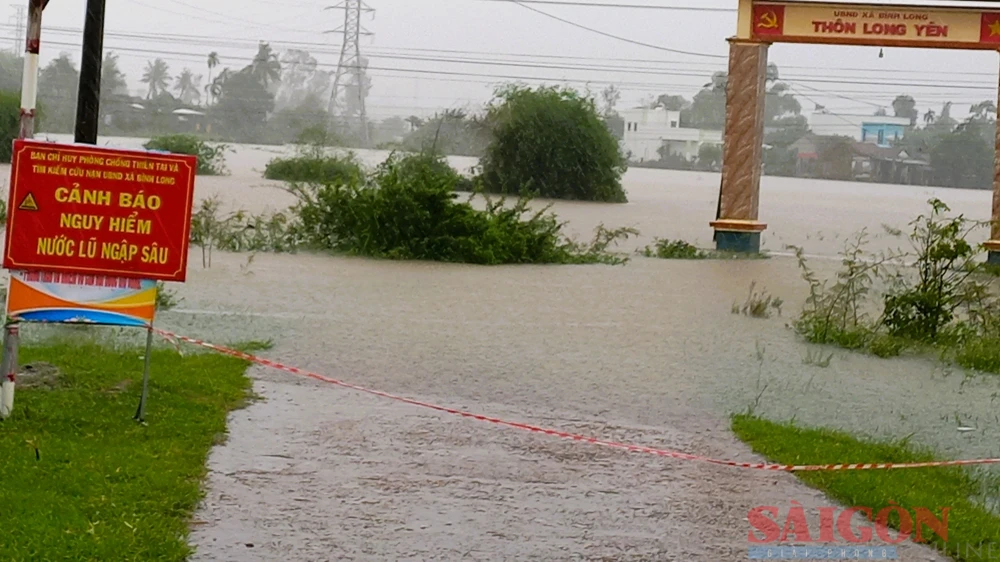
x=882, y=130
x=646, y=130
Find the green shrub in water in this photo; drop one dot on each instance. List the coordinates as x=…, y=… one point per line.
x=407, y=209
x=674, y=250
x=211, y=159
x=315, y=167
x=551, y=142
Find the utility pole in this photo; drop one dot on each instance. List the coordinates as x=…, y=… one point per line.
x=20, y=17
x=88, y=104
x=351, y=79
x=29, y=97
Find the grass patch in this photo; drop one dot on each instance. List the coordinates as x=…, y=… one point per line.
x=973, y=531
x=83, y=481
x=980, y=354
x=211, y=159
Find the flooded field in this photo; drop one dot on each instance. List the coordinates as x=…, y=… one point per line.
x=648, y=352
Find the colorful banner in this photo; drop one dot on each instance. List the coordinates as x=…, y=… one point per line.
x=99, y=211
x=80, y=299
x=857, y=24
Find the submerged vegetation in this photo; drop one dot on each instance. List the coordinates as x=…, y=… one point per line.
x=211, y=158
x=551, y=142
x=758, y=304
x=418, y=191
x=406, y=208
x=930, y=297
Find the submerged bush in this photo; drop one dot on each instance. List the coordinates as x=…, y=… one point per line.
x=674, y=250
x=238, y=231
x=315, y=167
x=407, y=209
x=925, y=298
x=551, y=142
x=211, y=159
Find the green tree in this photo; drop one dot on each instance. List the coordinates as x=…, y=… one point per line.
x=265, y=68
x=390, y=129
x=963, y=158
x=610, y=97
x=58, y=83
x=906, y=106
x=156, y=77
x=114, y=90
x=188, y=87
x=551, y=142
x=451, y=132
x=113, y=82
x=944, y=120
x=780, y=103
x=779, y=158
x=708, y=110
x=983, y=110
x=710, y=157
x=10, y=122
x=242, y=106
x=671, y=103
x=291, y=122
x=414, y=122
x=213, y=61
x=11, y=70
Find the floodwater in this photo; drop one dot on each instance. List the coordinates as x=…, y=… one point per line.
x=648, y=353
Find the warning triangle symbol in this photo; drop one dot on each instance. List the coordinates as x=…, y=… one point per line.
x=28, y=203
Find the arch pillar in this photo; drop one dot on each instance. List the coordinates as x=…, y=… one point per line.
x=736, y=227
x=993, y=244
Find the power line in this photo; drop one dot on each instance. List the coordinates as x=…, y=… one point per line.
x=227, y=22
x=618, y=37
x=621, y=6
x=324, y=48
x=659, y=87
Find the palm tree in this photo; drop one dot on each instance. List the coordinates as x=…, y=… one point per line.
x=929, y=117
x=415, y=122
x=157, y=76
x=213, y=61
x=188, y=87
x=265, y=67
x=215, y=88
x=112, y=79
x=982, y=110
x=719, y=82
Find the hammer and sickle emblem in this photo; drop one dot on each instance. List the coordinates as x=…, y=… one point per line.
x=768, y=20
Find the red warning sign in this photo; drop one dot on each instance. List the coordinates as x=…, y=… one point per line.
x=99, y=211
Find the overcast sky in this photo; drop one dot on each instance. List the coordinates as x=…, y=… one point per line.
x=182, y=32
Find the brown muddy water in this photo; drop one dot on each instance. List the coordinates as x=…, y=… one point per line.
x=648, y=353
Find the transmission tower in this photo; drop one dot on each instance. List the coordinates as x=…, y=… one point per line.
x=20, y=17
x=347, y=101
